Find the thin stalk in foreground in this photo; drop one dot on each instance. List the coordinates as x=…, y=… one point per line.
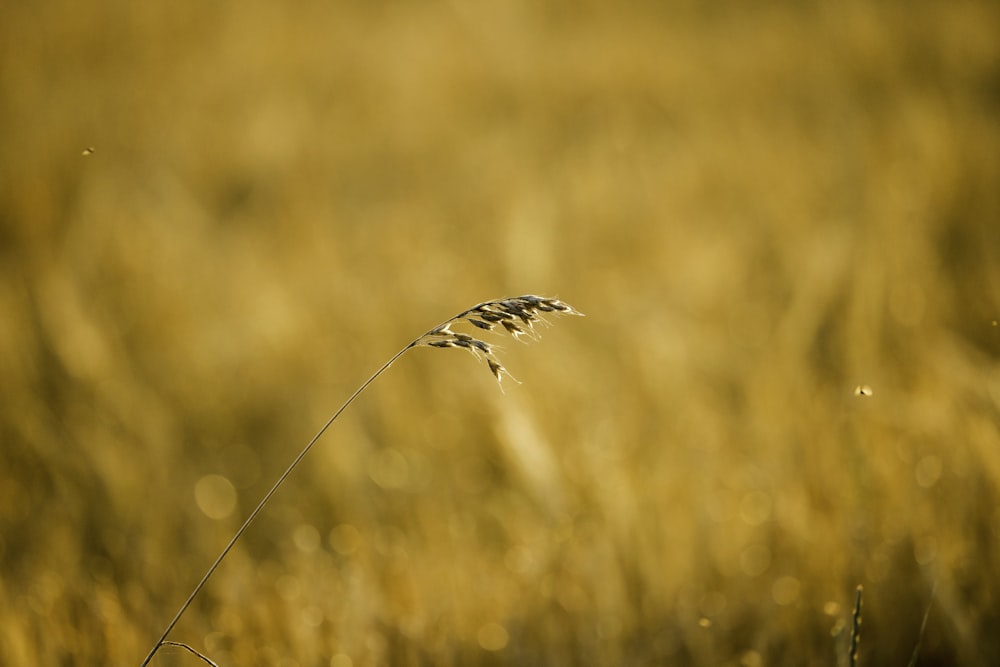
x=852, y=658
x=517, y=316
x=923, y=629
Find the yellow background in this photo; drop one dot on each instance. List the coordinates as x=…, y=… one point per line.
x=217, y=218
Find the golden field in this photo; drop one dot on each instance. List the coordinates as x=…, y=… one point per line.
x=217, y=219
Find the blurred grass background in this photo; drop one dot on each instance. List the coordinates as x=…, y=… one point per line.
x=758, y=206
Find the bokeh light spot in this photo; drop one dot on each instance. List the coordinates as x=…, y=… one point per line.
x=492, y=637
x=345, y=539
x=785, y=590
x=389, y=469
x=306, y=538
x=215, y=496
x=312, y=616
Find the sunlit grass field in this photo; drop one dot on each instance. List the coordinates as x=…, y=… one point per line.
x=217, y=219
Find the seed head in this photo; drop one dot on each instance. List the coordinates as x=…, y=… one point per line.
x=517, y=316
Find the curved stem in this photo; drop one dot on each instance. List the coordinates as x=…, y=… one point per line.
x=267, y=497
x=515, y=315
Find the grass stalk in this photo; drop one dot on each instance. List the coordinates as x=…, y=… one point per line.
x=852, y=658
x=517, y=316
x=923, y=630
